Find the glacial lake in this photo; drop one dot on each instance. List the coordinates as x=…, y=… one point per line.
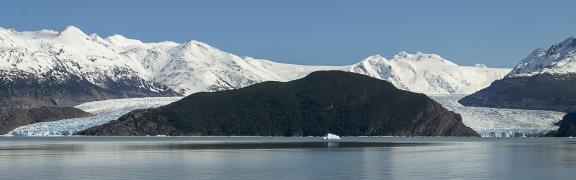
x=286, y=158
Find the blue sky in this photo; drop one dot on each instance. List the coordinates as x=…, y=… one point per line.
x=492, y=32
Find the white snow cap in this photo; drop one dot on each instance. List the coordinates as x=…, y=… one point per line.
x=419, y=56
x=558, y=59
x=428, y=73
x=195, y=66
x=121, y=41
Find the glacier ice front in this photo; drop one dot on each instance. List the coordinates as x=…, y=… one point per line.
x=104, y=112
x=488, y=122
x=495, y=122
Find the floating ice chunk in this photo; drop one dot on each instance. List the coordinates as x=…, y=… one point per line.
x=331, y=136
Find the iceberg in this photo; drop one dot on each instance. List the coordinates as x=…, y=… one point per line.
x=331, y=136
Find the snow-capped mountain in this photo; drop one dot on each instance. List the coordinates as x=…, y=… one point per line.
x=65, y=68
x=132, y=68
x=558, y=59
x=67, y=52
x=194, y=66
x=428, y=73
x=545, y=80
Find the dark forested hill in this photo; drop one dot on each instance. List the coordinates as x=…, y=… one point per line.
x=327, y=101
x=540, y=92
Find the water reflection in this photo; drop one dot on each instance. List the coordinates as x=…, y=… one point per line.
x=300, y=158
x=266, y=145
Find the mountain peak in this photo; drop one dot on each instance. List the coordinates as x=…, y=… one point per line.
x=194, y=43
x=559, y=58
x=121, y=41
x=331, y=98
x=419, y=56
x=197, y=47
x=376, y=57
x=72, y=34
x=401, y=55
x=117, y=37
x=71, y=30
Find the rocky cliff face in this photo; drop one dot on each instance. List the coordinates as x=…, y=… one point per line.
x=337, y=102
x=19, y=117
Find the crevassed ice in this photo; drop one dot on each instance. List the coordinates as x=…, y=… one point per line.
x=488, y=122
x=495, y=122
x=104, y=112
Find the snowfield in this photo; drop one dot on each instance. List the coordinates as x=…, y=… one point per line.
x=428, y=73
x=104, y=112
x=494, y=122
x=194, y=66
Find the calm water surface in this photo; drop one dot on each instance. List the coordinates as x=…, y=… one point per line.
x=285, y=158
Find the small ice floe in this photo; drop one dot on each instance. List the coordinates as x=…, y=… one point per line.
x=331, y=136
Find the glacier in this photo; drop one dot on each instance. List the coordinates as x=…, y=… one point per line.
x=495, y=122
x=488, y=122
x=103, y=112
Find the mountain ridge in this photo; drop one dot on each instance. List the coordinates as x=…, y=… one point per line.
x=170, y=69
